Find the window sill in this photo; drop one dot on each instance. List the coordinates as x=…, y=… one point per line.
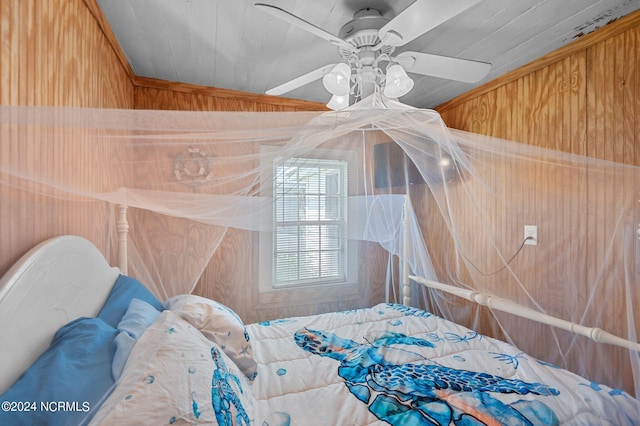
x=306, y=294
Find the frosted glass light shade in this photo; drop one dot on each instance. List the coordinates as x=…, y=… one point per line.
x=337, y=80
x=397, y=82
x=338, y=102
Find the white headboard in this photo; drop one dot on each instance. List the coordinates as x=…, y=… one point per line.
x=57, y=281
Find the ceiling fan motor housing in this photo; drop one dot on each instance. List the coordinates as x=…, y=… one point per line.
x=363, y=29
x=362, y=33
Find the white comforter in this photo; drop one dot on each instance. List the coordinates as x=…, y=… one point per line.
x=388, y=364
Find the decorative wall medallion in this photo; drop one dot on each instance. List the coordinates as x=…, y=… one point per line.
x=193, y=167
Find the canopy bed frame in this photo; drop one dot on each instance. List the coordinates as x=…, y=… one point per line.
x=49, y=275
x=66, y=277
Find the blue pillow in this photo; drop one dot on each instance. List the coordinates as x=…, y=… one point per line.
x=124, y=290
x=124, y=346
x=138, y=318
x=74, y=371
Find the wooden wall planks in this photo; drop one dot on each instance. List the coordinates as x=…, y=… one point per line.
x=54, y=53
x=582, y=99
x=161, y=94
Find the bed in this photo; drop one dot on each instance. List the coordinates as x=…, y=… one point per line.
x=121, y=356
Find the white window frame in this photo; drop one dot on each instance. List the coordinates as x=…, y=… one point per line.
x=270, y=160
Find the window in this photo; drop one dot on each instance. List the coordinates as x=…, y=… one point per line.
x=309, y=221
x=308, y=245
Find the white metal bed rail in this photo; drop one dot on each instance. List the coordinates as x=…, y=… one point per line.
x=498, y=303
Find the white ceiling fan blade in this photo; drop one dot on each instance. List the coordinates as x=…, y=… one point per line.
x=420, y=17
x=458, y=69
x=301, y=23
x=300, y=81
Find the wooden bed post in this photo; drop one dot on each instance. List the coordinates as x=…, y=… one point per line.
x=122, y=228
x=406, y=248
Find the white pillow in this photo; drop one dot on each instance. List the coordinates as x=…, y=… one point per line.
x=219, y=324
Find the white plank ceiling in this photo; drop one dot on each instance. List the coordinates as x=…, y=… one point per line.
x=233, y=45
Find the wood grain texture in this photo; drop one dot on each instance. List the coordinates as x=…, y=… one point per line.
x=101, y=20
x=54, y=53
x=622, y=25
x=581, y=99
x=219, y=99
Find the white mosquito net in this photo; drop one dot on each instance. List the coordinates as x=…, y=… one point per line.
x=189, y=178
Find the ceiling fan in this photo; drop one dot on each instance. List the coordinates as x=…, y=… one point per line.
x=368, y=42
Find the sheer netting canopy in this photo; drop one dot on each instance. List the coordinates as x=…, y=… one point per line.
x=329, y=189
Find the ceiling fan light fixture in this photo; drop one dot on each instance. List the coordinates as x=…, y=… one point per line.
x=337, y=81
x=397, y=82
x=338, y=102
x=371, y=38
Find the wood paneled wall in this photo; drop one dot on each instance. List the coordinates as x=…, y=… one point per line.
x=584, y=99
x=167, y=95
x=53, y=53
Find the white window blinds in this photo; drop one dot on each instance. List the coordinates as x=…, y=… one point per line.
x=310, y=221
